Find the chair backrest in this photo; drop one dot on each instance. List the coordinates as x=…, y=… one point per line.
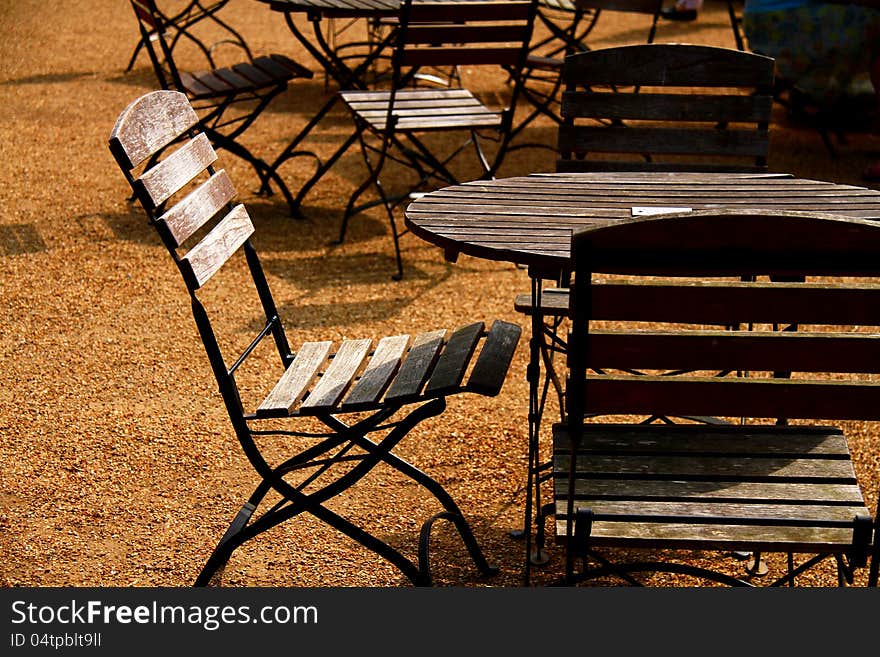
x=649, y=296
x=191, y=205
x=463, y=34
x=666, y=107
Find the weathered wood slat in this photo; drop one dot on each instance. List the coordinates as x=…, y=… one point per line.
x=344, y=366
x=452, y=12
x=192, y=212
x=733, y=397
x=256, y=75
x=442, y=112
x=490, y=370
x=671, y=65
x=656, y=106
x=462, y=56
x=735, y=350
x=793, y=492
x=170, y=175
x=404, y=95
x=708, y=467
x=366, y=106
x=211, y=81
x=234, y=79
x=662, y=140
x=759, y=538
x=721, y=512
x=754, y=440
x=453, y=363
x=297, y=378
x=204, y=259
x=475, y=33
x=148, y=125
x=705, y=302
x=378, y=374
x=416, y=368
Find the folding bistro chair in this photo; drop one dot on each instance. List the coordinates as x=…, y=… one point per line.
x=228, y=99
x=756, y=484
x=342, y=408
x=647, y=107
x=399, y=124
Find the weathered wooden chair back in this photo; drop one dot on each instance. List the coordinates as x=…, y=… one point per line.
x=768, y=474
x=665, y=107
x=151, y=124
x=675, y=312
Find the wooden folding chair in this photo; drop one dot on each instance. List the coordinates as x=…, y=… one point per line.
x=647, y=296
x=229, y=98
x=392, y=125
x=342, y=408
x=648, y=107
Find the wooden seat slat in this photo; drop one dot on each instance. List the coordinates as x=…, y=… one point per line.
x=256, y=75
x=403, y=95
x=453, y=363
x=417, y=367
x=336, y=379
x=234, y=79
x=297, y=378
x=488, y=373
x=214, y=83
x=378, y=374
x=281, y=67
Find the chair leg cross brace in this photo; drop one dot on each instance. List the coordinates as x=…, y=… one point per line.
x=244, y=527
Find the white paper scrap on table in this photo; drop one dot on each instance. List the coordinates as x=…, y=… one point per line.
x=648, y=210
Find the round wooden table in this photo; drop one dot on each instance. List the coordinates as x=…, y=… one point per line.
x=528, y=220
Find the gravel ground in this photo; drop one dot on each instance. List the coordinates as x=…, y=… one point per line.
x=119, y=467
